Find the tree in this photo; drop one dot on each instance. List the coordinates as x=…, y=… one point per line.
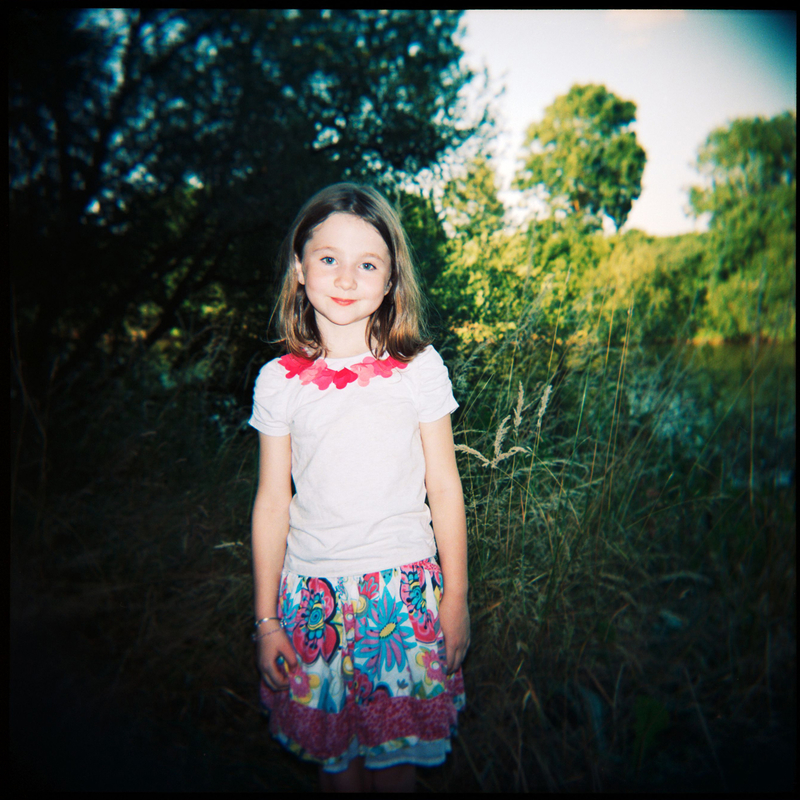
x=661, y=278
x=502, y=280
x=430, y=247
x=479, y=291
x=750, y=191
x=583, y=156
x=157, y=155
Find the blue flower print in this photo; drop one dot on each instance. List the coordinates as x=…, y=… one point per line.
x=288, y=610
x=384, y=638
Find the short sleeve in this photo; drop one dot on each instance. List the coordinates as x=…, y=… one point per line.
x=433, y=388
x=270, y=400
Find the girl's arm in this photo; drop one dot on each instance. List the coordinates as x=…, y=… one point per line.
x=270, y=527
x=446, y=500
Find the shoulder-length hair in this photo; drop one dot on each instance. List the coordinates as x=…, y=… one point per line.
x=396, y=328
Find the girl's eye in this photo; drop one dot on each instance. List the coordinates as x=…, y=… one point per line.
x=369, y=267
x=327, y=259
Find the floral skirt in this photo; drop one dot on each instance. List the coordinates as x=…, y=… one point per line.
x=371, y=677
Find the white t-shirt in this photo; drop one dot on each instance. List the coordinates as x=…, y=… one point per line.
x=357, y=460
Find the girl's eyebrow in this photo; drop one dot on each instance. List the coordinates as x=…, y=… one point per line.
x=336, y=250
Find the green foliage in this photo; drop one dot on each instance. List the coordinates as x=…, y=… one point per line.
x=159, y=155
x=600, y=517
x=750, y=169
x=426, y=234
x=736, y=281
x=502, y=281
x=564, y=252
x=749, y=157
x=583, y=155
x=661, y=278
x=473, y=208
x=478, y=291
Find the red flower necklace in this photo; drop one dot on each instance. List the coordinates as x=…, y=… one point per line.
x=323, y=376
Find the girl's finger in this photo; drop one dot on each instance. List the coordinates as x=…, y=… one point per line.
x=286, y=654
x=275, y=683
x=290, y=659
x=274, y=675
x=452, y=662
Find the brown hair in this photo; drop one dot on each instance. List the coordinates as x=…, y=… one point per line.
x=396, y=326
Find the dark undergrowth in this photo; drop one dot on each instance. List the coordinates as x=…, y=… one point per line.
x=632, y=587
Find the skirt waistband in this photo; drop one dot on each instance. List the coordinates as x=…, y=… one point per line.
x=428, y=564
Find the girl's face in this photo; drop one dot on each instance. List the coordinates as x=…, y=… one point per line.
x=346, y=270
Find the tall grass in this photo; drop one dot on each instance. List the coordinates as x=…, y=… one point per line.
x=633, y=611
x=631, y=569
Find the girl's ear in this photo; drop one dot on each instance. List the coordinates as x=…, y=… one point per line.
x=388, y=286
x=298, y=268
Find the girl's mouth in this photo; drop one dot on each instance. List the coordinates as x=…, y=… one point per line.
x=341, y=301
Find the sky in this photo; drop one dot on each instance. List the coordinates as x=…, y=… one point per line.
x=687, y=71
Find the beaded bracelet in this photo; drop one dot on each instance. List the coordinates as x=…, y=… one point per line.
x=255, y=638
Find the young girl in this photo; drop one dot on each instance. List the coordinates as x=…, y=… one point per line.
x=360, y=633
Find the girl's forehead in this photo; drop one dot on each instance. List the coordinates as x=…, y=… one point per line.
x=340, y=229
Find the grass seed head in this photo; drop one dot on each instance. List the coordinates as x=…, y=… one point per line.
x=518, y=409
x=501, y=434
x=543, y=405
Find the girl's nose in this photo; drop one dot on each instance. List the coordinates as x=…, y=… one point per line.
x=345, y=278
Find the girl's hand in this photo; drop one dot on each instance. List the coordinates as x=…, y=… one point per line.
x=269, y=649
x=454, y=619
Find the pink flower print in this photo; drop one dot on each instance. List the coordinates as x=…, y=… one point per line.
x=436, y=581
x=343, y=377
x=301, y=685
x=349, y=622
x=315, y=633
x=312, y=371
x=361, y=686
x=364, y=371
x=368, y=585
x=325, y=377
x=384, y=368
x=372, y=363
x=412, y=592
x=294, y=365
x=434, y=668
x=392, y=364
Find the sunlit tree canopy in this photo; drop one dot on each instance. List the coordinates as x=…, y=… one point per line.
x=583, y=155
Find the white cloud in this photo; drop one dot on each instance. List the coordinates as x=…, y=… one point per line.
x=636, y=20
x=637, y=24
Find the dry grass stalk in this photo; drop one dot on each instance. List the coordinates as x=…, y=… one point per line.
x=543, y=405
